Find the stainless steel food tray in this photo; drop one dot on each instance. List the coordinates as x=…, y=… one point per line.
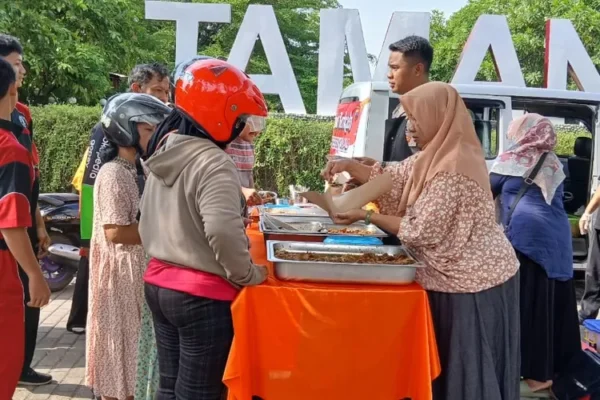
x=308, y=226
x=294, y=211
x=314, y=271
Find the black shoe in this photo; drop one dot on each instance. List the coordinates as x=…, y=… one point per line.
x=32, y=378
x=76, y=330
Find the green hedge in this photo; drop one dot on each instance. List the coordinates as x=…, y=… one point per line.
x=292, y=150
x=62, y=133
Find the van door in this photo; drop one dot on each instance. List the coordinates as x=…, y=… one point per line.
x=581, y=263
x=491, y=117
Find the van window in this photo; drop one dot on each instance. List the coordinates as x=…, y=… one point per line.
x=485, y=122
x=566, y=135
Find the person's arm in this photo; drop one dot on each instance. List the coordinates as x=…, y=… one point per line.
x=114, y=207
x=252, y=197
x=42, y=234
x=586, y=218
x=594, y=203
x=218, y=202
x=15, y=217
x=119, y=234
x=358, y=171
x=389, y=202
x=19, y=245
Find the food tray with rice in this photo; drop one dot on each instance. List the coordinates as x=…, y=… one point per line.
x=293, y=211
x=320, y=262
x=315, y=226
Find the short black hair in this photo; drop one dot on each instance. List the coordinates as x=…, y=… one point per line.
x=9, y=44
x=415, y=46
x=8, y=77
x=144, y=73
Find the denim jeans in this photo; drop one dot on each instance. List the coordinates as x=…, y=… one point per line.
x=193, y=336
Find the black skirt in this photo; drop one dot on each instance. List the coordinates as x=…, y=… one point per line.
x=549, y=323
x=478, y=343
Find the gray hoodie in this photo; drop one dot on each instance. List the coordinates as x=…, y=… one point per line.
x=191, y=213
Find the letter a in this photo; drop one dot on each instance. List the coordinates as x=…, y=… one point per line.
x=490, y=32
x=260, y=22
x=565, y=54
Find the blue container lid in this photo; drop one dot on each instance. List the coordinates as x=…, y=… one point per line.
x=592, y=325
x=354, y=240
x=280, y=206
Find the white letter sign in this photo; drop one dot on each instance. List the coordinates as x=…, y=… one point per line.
x=338, y=27
x=490, y=32
x=565, y=54
x=260, y=22
x=187, y=15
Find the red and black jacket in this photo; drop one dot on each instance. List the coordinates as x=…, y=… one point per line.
x=22, y=129
x=16, y=183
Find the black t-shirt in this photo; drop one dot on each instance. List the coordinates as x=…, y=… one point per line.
x=395, y=147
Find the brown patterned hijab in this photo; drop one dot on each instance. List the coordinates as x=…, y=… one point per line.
x=443, y=122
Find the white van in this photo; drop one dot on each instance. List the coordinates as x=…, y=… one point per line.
x=364, y=107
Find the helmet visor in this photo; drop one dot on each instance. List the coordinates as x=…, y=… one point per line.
x=255, y=123
x=150, y=119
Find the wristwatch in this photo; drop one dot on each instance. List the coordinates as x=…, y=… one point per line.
x=368, y=217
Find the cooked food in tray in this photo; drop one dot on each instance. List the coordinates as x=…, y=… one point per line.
x=349, y=231
x=364, y=258
x=283, y=211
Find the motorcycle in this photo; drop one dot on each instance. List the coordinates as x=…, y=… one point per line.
x=60, y=212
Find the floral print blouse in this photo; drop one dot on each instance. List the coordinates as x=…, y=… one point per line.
x=451, y=229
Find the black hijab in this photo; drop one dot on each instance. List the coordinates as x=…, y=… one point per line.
x=184, y=125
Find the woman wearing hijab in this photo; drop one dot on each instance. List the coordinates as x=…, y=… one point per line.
x=538, y=228
x=192, y=227
x=116, y=255
x=441, y=208
x=147, y=363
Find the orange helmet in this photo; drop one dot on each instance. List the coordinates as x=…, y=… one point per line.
x=220, y=98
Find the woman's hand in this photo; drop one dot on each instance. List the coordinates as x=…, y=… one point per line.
x=369, y=162
x=349, y=217
x=357, y=171
x=252, y=197
x=584, y=223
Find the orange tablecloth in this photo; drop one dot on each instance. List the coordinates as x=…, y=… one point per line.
x=330, y=341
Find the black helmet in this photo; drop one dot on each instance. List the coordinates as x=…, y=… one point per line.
x=123, y=112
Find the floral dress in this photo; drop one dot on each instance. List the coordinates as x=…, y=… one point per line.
x=116, y=286
x=147, y=362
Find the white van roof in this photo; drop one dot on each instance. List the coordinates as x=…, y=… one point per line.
x=362, y=90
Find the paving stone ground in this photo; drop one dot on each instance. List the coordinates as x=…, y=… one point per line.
x=59, y=353
x=62, y=354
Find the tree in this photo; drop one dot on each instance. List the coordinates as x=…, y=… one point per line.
x=526, y=19
x=72, y=45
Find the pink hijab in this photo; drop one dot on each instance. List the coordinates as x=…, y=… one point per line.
x=532, y=135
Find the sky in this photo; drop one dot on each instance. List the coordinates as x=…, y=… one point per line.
x=375, y=15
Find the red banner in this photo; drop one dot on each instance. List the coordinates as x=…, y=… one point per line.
x=347, y=119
